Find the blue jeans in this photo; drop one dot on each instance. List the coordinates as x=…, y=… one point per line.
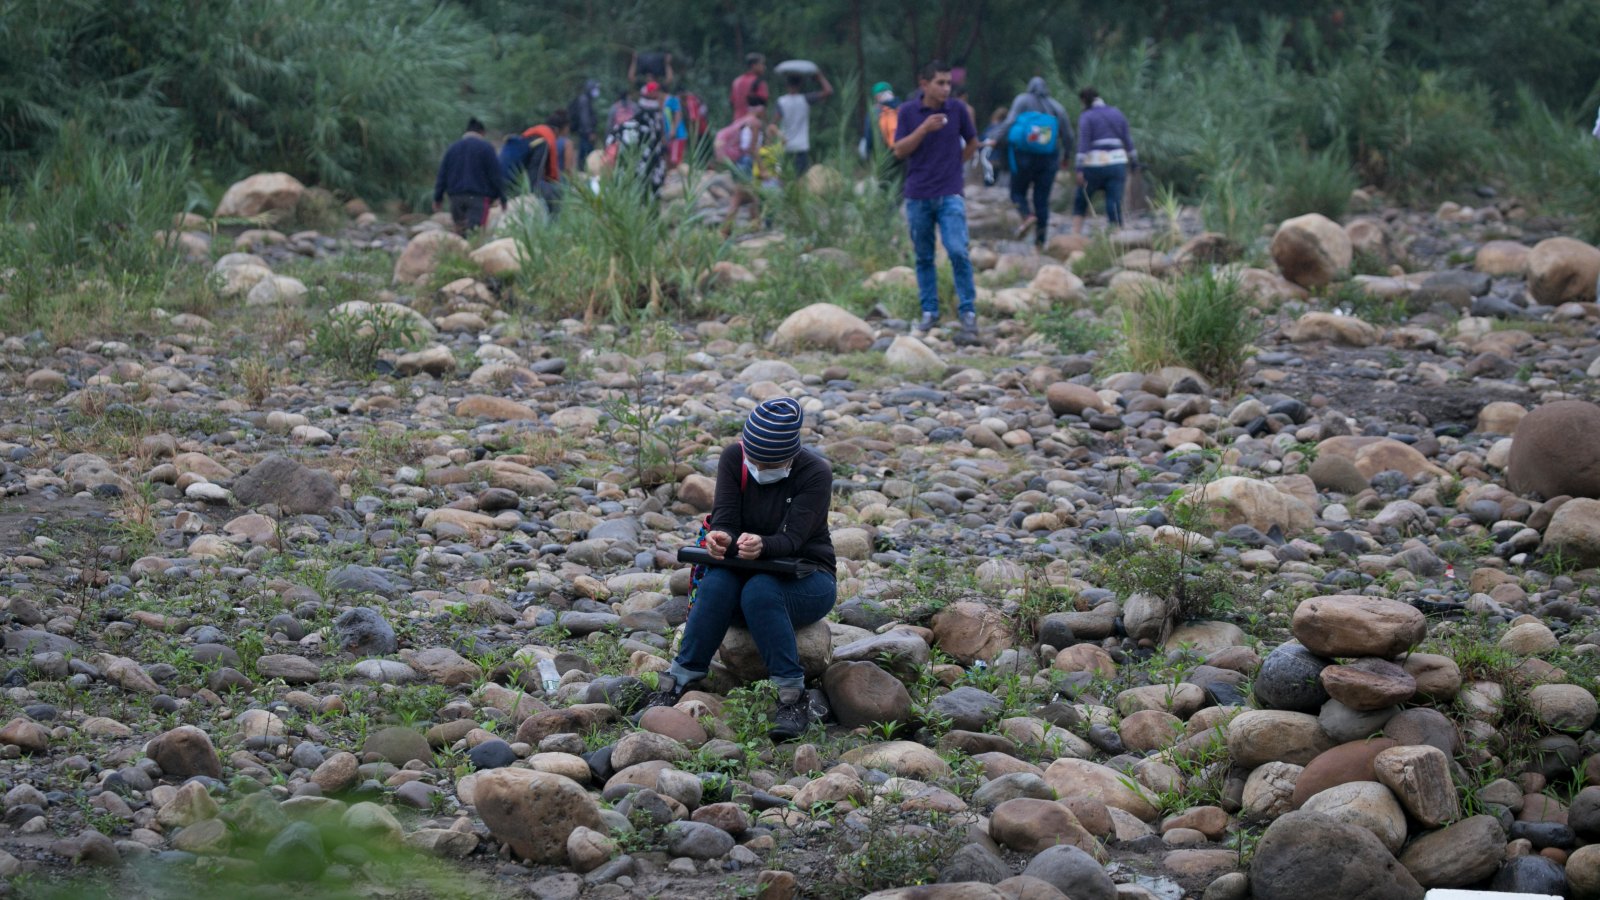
x=1102, y=178
x=1035, y=171
x=949, y=215
x=770, y=606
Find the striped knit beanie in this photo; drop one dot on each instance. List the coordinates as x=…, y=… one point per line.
x=772, y=433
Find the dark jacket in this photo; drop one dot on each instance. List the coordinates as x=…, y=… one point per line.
x=791, y=516
x=470, y=166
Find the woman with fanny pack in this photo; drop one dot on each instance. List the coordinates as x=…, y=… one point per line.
x=771, y=502
x=1105, y=151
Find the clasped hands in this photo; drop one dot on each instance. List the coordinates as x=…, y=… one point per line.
x=718, y=542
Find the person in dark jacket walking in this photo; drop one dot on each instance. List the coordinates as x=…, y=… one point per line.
x=1105, y=152
x=771, y=502
x=470, y=173
x=585, y=118
x=1035, y=131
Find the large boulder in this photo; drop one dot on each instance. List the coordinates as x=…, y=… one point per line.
x=970, y=631
x=264, y=192
x=421, y=256
x=863, y=694
x=1563, y=270
x=824, y=326
x=294, y=488
x=1235, y=500
x=1355, y=625
x=743, y=659
x=1458, y=855
x=1307, y=856
x=534, y=812
x=1311, y=250
x=1555, y=451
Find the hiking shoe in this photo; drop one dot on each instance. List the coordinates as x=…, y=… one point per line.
x=790, y=720
x=1027, y=223
x=969, y=322
x=668, y=696
x=928, y=322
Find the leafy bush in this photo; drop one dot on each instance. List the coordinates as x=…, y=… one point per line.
x=1203, y=321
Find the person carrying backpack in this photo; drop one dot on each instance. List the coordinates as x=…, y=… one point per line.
x=738, y=146
x=1035, y=132
x=642, y=139
x=542, y=165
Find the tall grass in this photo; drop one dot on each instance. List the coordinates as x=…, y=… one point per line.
x=1202, y=321
x=92, y=219
x=614, y=252
x=1228, y=122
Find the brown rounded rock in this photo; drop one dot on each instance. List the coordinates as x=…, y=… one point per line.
x=674, y=723
x=1029, y=826
x=1369, y=684
x=1306, y=856
x=1562, y=270
x=861, y=693
x=1345, y=625
x=1458, y=855
x=1555, y=450
x=184, y=752
x=1269, y=735
x=1068, y=399
x=534, y=812
x=1340, y=765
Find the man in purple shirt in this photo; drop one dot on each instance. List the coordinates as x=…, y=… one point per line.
x=935, y=137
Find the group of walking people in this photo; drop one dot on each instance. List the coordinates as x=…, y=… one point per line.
x=930, y=137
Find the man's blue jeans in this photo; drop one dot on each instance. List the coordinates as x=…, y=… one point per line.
x=1110, y=179
x=949, y=215
x=771, y=606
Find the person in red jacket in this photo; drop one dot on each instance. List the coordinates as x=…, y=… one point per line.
x=749, y=84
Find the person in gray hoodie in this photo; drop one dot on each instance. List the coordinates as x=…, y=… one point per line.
x=1035, y=133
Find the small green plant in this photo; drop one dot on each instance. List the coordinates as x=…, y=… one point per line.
x=352, y=340
x=1203, y=321
x=1076, y=331
x=895, y=848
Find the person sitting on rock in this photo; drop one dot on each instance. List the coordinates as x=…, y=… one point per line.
x=771, y=502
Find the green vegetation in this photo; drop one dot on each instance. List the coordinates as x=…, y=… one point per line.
x=1203, y=321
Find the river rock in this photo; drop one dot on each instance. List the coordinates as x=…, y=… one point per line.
x=1354, y=625
x=1563, y=270
x=1311, y=250
x=1306, y=856
x=534, y=812
x=1555, y=451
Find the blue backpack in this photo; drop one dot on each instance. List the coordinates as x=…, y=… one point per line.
x=1033, y=132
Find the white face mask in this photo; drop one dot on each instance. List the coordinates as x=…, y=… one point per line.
x=766, y=476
